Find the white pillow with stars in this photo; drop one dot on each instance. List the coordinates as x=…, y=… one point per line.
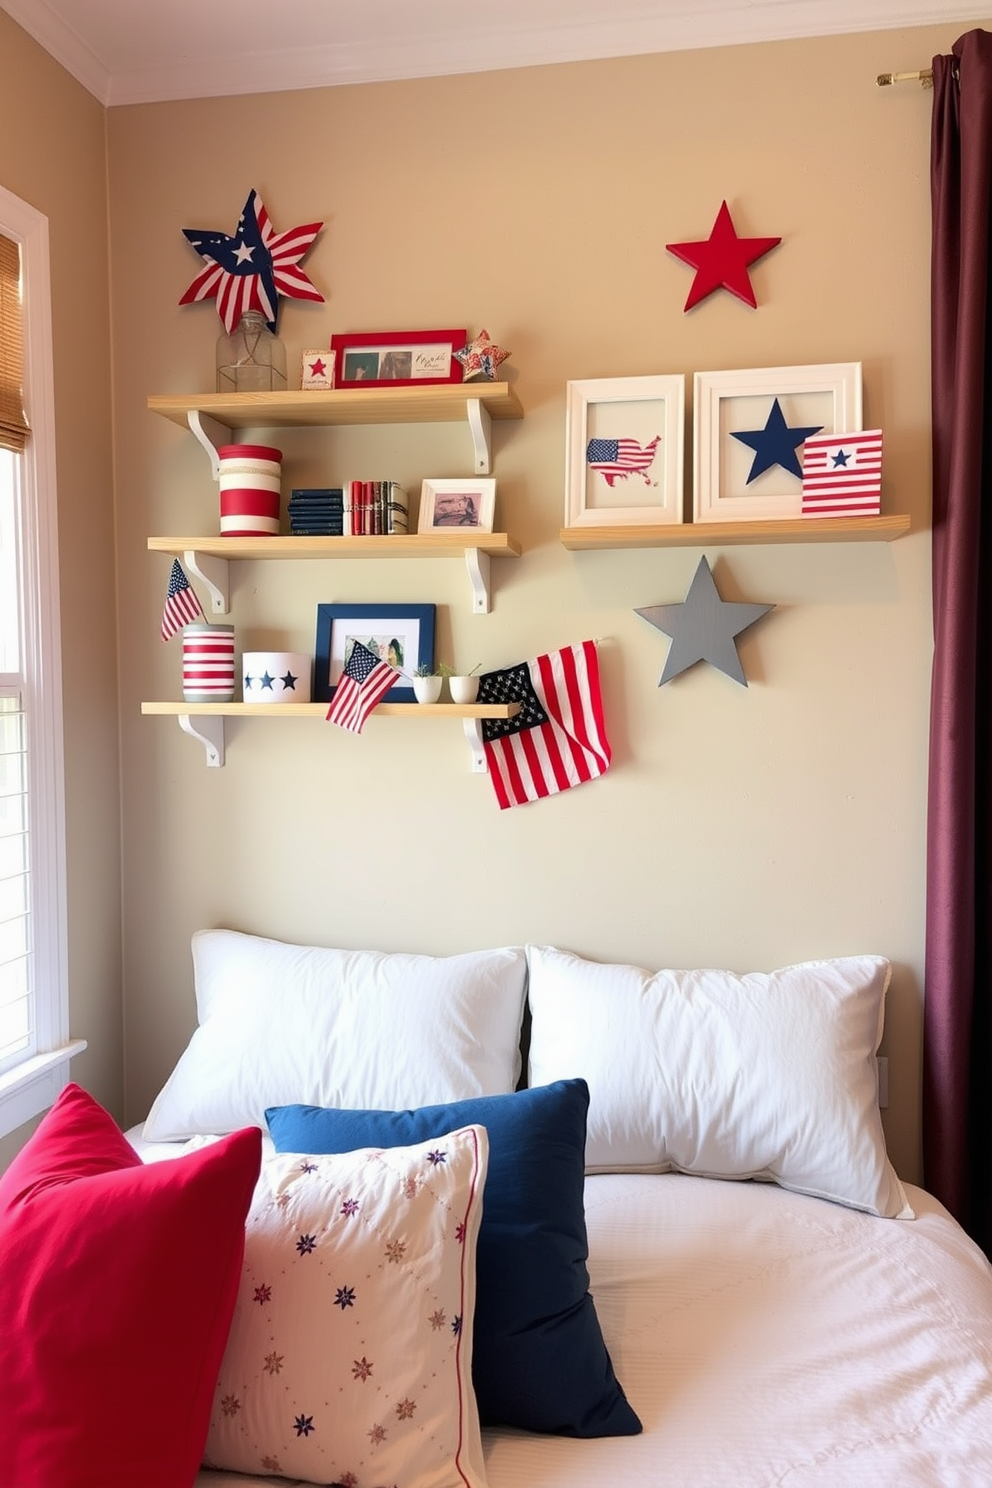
x=350, y=1354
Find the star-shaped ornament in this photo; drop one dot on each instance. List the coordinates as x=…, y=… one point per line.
x=776, y=444
x=250, y=269
x=721, y=261
x=480, y=358
x=703, y=628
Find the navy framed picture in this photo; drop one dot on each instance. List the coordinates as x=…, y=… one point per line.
x=401, y=634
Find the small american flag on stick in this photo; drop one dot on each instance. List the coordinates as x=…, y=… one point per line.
x=842, y=475
x=181, y=604
x=364, y=682
x=616, y=459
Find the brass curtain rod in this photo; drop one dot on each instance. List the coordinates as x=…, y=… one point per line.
x=924, y=77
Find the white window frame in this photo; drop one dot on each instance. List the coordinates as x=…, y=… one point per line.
x=30, y=1086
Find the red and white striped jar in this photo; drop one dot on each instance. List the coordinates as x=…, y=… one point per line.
x=250, y=489
x=208, y=663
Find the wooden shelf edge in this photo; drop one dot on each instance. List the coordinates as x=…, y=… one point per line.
x=396, y=545
x=434, y=403
x=319, y=710
x=720, y=534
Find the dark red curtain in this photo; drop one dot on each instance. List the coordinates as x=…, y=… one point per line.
x=957, y=1074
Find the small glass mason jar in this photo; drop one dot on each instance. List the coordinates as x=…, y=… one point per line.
x=251, y=359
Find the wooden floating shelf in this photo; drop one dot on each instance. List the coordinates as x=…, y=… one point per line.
x=205, y=721
x=437, y=403
x=451, y=544
x=207, y=557
x=319, y=710
x=721, y=534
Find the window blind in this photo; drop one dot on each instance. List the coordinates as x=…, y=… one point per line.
x=13, y=423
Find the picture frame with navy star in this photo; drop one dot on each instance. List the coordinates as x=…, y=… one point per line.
x=400, y=634
x=624, y=451
x=749, y=428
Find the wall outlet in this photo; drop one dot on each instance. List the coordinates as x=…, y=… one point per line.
x=883, y=1081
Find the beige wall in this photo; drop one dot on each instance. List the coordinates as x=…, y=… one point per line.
x=53, y=155
x=747, y=828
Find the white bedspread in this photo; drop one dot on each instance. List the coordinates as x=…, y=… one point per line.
x=769, y=1340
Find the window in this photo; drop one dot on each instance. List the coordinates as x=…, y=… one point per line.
x=34, y=1023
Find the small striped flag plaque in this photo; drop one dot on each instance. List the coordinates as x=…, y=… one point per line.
x=842, y=475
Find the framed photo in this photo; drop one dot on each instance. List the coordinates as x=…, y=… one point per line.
x=396, y=358
x=623, y=451
x=402, y=634
x=317, y=370
x=446, y=505
x=748, y=434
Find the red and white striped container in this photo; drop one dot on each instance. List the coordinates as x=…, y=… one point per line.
x=250, y=489
x=208, y=663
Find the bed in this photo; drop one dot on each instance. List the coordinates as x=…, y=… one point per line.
x=684, y=1180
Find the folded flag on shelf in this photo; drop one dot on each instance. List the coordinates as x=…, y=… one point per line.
x=558, y=738
x=842, y=475
x=181, y=604
x=364, y=682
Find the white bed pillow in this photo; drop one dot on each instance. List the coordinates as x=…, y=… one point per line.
x=769, y=1076
x=286, y=1024
x=350, y=1354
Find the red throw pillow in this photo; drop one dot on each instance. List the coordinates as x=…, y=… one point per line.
x=117, y=1288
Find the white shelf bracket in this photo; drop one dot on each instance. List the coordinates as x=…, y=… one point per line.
x=481, y=427
x=211, y=435
x=478, y=565
x=215, y=574
x=210, y=732
x=473, y=733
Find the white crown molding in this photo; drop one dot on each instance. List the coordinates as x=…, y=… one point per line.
x=479, y=41
x=63, y=43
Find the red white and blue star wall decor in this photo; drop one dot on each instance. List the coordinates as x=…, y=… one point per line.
x=722, y=260
x=250, y=268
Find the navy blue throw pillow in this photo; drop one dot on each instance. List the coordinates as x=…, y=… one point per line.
x=540, y=1361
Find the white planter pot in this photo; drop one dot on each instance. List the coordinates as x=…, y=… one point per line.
x=463, y=689
x=427, y=689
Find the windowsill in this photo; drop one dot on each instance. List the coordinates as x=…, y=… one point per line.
x=33, y=1086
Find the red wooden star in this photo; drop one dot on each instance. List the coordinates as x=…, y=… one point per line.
x=721, y=260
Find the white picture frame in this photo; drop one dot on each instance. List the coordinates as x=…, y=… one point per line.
x=825, y=396
x=639, y=414
x=467, y=505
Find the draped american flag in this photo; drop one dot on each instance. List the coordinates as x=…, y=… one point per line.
x=842, y=475
x=364, y=682
x=558, y=738
x=181, y=605
x=615, y=459
x=251, y=269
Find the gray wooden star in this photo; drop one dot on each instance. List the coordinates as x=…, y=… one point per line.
x=703, y=628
